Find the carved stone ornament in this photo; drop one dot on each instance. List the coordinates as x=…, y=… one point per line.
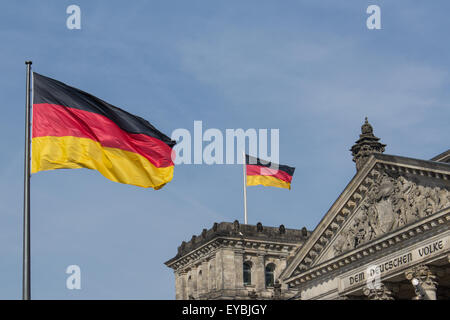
x=304, y=232
x=390, y=203
x=276, y=290
x=366, y=145
x=381, y=293
x=427, y=279
x=259, y=227
x=236, y=226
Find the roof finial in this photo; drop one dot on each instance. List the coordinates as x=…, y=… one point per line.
x=366, y=145
x=366, y=128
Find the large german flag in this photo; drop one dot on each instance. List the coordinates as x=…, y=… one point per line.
x=267, y=173
x=73, y=129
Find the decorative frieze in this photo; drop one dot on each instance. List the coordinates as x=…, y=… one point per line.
x=391, y=203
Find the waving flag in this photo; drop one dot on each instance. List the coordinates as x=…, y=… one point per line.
x=267, y=173
x=73, y=129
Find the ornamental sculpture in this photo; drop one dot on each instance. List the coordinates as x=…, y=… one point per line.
x=381, y=293
x=390, y=204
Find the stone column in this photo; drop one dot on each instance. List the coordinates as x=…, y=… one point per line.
x=427, y=280
x=204, y=284
x=180, y=284
x=260, y=276
x=229, y=273
x=239, y=268
x=193, y=288
x=281, y=265
x=219, y=270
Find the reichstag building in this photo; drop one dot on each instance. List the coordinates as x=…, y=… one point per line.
x=386, y=237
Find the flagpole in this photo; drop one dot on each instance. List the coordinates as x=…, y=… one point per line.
x=245, y=187
x=26, y=287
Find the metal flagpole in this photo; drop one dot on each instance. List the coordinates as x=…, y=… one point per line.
x=245, y=187
x=26, y=289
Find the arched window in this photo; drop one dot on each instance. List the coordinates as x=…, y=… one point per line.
x=211, y=277
x=247, y=273
x=200, y=281
x=190, y=288
x=270, y=268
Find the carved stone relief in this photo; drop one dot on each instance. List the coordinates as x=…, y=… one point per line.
x=381, y=293
x=390, y=203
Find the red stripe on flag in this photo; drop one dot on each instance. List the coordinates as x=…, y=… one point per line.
x=60, y=121
x=254, y=170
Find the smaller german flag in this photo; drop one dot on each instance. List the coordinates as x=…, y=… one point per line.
x=267, y=173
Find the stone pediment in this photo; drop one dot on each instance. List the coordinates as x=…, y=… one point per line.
x=387, y=194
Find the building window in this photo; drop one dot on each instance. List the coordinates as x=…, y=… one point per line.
x=211, y=277
x=190, y=288
x=269, y=274
x=200, y=282
x=247, y=273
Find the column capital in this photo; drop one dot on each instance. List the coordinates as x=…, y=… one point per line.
x=427, y=278
x=381, y=293
x=427, y=281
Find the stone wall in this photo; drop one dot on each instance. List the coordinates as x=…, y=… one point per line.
x=210, y=266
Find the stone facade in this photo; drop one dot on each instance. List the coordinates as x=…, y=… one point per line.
x=233, y=261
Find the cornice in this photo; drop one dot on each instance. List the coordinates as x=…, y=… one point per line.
x=271, y=247
x=442, y=157
x=426, y=225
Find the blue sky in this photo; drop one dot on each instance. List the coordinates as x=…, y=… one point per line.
x=309, y=68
